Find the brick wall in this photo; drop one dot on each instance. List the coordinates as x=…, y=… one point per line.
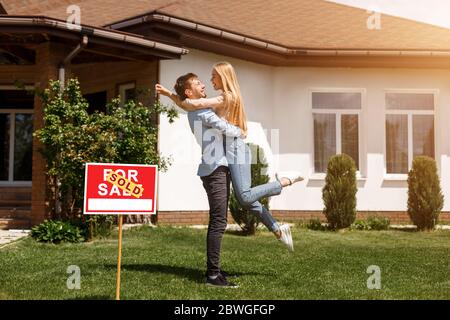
x=95, y=77
x=9, y=74
x=183, y=217
x=48, y=57
x=202, y=217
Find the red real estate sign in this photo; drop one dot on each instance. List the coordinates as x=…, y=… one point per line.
x=120, y=189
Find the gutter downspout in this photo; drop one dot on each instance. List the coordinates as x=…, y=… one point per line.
x=68, y=59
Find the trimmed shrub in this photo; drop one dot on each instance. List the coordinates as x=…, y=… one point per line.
x=57, y=231
x=316, y=224
x=372, y=223
x=425, y=198
x=339, y=192
x=360, y=225
x=378, y=223
x=247, y=220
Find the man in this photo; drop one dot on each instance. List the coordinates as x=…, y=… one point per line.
x=210, y=131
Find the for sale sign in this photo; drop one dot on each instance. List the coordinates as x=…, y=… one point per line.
x=120, y=189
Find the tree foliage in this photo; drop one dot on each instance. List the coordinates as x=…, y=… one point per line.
x=339, y=192
x=425, y=198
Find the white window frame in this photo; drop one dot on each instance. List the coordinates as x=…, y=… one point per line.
x=409, y=114
x=12, y=128
x=360, y=174
x=122, y=88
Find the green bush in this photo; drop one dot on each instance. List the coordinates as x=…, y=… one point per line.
x=425, y=198
x=316, y=224
x=247, y=220
x=360, y=225
x=56, y=231
x=100, y=226
x=379, y=223
x=372, y=223
x=339, y=192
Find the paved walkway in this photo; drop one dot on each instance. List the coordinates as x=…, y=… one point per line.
x=8, y=236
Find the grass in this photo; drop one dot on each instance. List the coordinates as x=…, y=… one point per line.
x=169, y=263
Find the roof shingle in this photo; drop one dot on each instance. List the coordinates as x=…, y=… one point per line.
x=93, y=12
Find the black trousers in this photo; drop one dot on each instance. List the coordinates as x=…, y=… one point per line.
x=217, y=186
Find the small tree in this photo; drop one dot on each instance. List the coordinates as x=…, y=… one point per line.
x=247, y=220
x=425, y=198
x=339, y=192
x=71, y=137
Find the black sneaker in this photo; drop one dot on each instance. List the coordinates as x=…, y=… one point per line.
x=224, y=273
x=220, y=281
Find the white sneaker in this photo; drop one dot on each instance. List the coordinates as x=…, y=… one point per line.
x=286, y=237
x=292, y=176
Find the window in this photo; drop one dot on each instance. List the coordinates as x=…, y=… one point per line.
x=409, y=129
x=16, y=136
x=127, y=91
x=96, y=101
x=336, y=118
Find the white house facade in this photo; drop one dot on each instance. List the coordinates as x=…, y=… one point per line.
x=382, y=117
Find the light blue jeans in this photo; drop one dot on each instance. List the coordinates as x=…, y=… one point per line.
x=239, y=163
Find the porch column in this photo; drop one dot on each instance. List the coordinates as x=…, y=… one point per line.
x=48, y=57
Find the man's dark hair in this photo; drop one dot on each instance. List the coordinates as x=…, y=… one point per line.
x=184, y=83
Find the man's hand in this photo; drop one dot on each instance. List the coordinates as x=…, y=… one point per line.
x=160, y=89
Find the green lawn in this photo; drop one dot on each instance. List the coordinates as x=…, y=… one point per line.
x=169, y=263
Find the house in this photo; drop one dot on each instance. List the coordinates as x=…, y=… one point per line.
x=317, y=78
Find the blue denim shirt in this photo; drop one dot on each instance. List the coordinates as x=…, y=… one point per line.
x=210, y=131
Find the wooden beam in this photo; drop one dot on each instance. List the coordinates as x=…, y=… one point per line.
x=108, y=54
x=8, y=39
x=20, y=52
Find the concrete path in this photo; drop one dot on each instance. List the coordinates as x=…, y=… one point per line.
x=8, y=236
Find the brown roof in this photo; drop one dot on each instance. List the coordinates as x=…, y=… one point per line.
x=311, y=24
x=93, y=12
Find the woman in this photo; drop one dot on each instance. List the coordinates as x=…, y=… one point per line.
x=229, y=105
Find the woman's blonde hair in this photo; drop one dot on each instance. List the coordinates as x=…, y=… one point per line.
x=234, y=105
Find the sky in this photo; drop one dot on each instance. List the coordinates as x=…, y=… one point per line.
x=435, y=12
